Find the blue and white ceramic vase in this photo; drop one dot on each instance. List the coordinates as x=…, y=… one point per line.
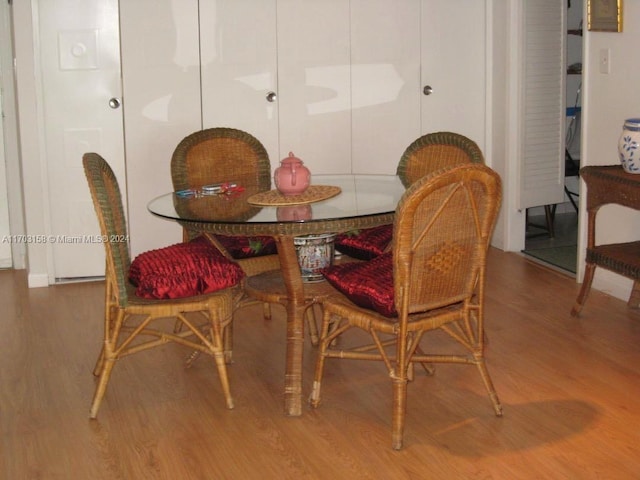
x=629, y=145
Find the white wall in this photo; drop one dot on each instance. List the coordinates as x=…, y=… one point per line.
x=33, y=191
x=6, y=98
x=608, y=100
x=12, y=150
x=499, y=23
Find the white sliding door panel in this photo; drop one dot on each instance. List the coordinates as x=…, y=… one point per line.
x=161, y=78
x=79, y=54
x=385, y=82
x=314, y=83
x=454, y=66
x=239, y=68
x=543, y=103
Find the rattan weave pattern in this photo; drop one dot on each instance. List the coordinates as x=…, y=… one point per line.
x=436, y=150
x=611, y=184
x=217, y=155
x=314, y=193
x=291, y=228
x=622, y=258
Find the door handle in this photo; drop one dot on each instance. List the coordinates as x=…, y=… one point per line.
x=271, y=97
x=115, y=102
x=427, y=90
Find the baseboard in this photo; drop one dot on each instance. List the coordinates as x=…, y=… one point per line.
x=36, y=280
x=612, y=284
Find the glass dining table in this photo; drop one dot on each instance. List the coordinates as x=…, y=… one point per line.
x=362, y=201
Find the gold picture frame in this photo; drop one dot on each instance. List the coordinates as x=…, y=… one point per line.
x=604, y=15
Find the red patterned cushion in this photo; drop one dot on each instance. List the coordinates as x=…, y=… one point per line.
x=367, y=284
x=365, y=244
x=246, y=247
x=183, y=270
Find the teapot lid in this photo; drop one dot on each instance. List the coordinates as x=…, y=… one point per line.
x=291, y=159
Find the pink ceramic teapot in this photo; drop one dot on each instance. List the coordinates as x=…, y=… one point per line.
x=292, y=177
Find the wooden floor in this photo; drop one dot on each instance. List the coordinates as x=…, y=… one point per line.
x=570, y=390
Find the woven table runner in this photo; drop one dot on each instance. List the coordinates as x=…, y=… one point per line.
x=314, y=193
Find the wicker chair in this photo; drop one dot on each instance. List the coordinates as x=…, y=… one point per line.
x=130, y=324
x=427, y=154
x=217, y=155
x=434, y=151
x=433, y=278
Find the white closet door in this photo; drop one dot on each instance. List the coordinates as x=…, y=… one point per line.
x=385, y=82
x=314, y=84
x=161, y=78
x=79, y=52
x=454, y=66
x=239, y=68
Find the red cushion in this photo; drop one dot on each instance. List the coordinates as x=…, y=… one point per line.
x=246, y=247
x=367, y=284
x=183, y=270
x=365, y=244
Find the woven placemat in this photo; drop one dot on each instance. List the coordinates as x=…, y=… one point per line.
x=314, y=193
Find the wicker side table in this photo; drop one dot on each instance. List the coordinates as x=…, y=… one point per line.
x=605, y=185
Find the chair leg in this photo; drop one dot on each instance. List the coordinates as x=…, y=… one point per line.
x=570, y=195
x=266, y=311
x=114, y=319
x=429, y=368
x=101, y=388
x=584, y=290
x=193, y=356
x=549, y=215
x=220, y=357
x=227, y=341
x=99, y=362
x=312, y=325
x=486, y=379
x=399, y=411
x=634, y=297
x=314, y=398
x=224, y=378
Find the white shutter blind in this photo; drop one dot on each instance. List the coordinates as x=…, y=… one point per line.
x=543, y=128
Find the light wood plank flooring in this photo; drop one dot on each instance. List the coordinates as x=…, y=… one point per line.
x=570, y=390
